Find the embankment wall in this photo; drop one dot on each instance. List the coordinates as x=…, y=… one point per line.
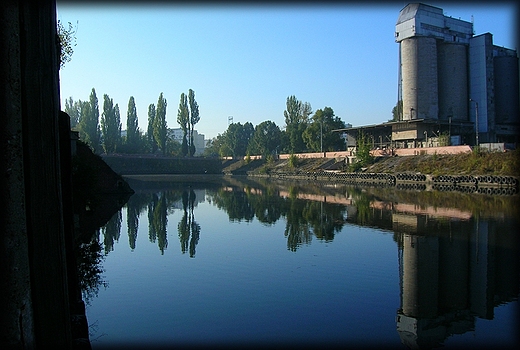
x=138, y=165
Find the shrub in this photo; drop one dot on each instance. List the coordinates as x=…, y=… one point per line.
x=293, y=161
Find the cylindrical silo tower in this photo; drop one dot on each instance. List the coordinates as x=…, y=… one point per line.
x=420, y=284
x=419, y=78
x=506, y=89
x=453, y=81
x=434, y=77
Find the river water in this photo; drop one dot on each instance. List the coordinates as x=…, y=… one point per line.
x=251, y=263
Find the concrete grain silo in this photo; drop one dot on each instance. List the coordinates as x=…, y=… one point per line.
x=453, y=81
x=419, y=78
x=506, y=88
x=433, y=63
x=449, y=77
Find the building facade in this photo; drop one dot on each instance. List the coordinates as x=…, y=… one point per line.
x=451, y=83
x=198, y=139
x=454, y=80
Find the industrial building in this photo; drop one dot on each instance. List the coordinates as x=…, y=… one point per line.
x=451, y=83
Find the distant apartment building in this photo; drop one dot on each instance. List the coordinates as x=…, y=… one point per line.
x=198, y=139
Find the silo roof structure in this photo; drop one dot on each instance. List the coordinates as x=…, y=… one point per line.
x=424, y=20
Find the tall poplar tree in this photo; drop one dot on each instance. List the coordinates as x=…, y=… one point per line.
x=94, y=122
x=194, y=118
x=132, y=129
x=117, y=131
x=88, y=125
x=110, y=125
x=85, y=113
x=73, y=109
x=183, y=116
x=107, y=118
x=159, y=125
x=149, y=134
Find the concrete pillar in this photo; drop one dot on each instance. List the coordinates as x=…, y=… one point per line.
x=32, y=247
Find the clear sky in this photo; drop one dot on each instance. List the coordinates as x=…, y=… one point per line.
x=243, y=61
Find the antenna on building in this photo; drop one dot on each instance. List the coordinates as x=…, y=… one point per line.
x=472, y=25
x=230, y=120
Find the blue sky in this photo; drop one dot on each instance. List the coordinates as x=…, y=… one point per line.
x=245, y=60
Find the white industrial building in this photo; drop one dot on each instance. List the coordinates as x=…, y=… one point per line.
x=450, y=81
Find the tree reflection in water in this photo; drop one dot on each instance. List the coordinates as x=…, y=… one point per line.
x=443, y=240
x=188, y=227
x=89, y=263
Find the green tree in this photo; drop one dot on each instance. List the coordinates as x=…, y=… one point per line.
x=159, y=125
x=318, y=132
x=112, y=231
x=88, y=126
x=85, y=112
x=237, y=138
x=152, y=144
x=73, y=109
x=132, y=219
x=194, y=119
x=110, y=125
x=213, y=147
x=266, y=139
x=160, y=221
x=444, y=139
x=117, y=136
x=173, y=147
x=397, y=112
x=132, y=128
x=363, y=155
x=94, y=121
x=67, y=42
x=183, y=119
x=296, y=119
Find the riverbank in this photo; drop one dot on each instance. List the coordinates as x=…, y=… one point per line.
x=484, y=163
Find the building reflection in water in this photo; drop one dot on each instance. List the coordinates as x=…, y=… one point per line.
x=452, y=273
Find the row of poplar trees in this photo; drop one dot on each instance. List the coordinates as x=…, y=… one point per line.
x=104, y=134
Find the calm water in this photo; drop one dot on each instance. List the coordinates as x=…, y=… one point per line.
x=253, y=263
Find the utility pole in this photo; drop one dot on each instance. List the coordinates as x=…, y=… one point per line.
x=321, y=138
x=476, y=121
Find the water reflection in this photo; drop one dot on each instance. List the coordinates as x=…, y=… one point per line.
x=102, y=215
x=189, y=229
x=457, y=253
x=452, y=272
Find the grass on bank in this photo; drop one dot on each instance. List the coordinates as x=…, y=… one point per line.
x=471, y=163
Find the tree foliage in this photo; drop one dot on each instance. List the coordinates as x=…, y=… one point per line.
x=159, y=125
x=110, y=125
x=214, y=146
x=266, y=139
x=132, y=128
x=152, y=144
x=194, y=119
x=67, y=41
x=363, y=155
x=183, y=119
x=236, y=139
x=296, y=119
x=319, y=131
x=397, y=112
x=88, y=125
x=73, y=109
